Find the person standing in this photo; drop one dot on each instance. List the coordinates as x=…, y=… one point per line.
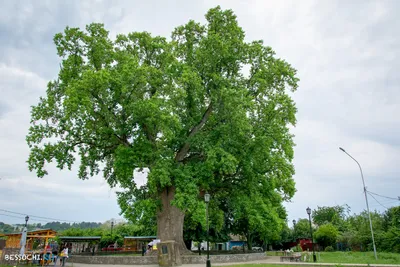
x=58, y=256
x=64, y=255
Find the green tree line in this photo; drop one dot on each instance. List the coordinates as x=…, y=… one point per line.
x=335, y=228
x=56, y=226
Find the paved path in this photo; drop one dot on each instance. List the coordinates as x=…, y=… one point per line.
x=269, y=260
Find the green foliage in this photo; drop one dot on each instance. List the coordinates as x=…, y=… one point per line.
x=119, y=232
x=297, y=248
x=329, y=249
x=335, y=215
x=286, y=235
x=204, y=111
x=360, y=227
x=326, y=235
x=302, y=229
x=354, y=231
x=391, y=228
x=6, y=228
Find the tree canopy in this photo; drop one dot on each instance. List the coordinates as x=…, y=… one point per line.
x=326, y=235
x=302, y=229
x=202, y=111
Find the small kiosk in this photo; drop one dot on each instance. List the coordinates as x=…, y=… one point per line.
x=81, y=244
x=136, y=243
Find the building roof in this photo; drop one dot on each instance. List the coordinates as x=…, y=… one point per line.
x=80, y=238
x=236, y=238
x=35, y=232
x=140, y=237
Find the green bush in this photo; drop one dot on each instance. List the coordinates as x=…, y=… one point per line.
x=326, y=235
x=297, y=248
x=329, y=249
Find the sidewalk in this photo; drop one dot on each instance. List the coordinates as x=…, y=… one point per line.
x=270, y=260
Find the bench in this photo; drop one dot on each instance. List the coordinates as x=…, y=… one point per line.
x=291, y=258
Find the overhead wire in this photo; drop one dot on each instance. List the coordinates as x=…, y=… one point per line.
x=40, y=217
x=11, y=216
x=22, y=218
x=377, y=200
x=393, y=198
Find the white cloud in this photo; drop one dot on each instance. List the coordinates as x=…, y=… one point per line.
x=346, y=53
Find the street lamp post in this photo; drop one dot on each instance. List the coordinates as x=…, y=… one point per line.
x=366, y=201
x=26, y=220
x=294, y=231
x=312, y=239
x=207, y=200
x=112, y=226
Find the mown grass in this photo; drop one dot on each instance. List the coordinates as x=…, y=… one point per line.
x=258, y=265
x=352, y=257
x=359, y=257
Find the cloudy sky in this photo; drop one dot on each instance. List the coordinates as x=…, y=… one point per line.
x=347, y=54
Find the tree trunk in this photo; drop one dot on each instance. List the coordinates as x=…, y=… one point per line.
x=249, y=238
x=170, y=220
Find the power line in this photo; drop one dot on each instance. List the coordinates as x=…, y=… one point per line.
x=51, y=219
x=22, y=218
x=398, y=198
x=377, y=200
x=393, y=202
x=11, y=216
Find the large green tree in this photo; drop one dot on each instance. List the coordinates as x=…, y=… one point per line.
x=326, y=235
x=361, y=232
x=257, y=217
x=204, y=111
x=302, y=229
x=391, y=228
x=334, y=215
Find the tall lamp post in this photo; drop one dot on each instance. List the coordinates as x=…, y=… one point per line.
x=112, y=226
x=23, y=237
x=294, y=231
x=207, y=200
x=366, y=201
x=312, y=239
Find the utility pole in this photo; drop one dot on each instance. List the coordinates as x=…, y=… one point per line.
x=366, y=201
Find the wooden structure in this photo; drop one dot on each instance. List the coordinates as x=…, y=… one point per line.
x=81, y=244
x=13, y=240
x=2, y=242
x=136, y=243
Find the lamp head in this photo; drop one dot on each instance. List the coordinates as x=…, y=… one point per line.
x=342, y=149
x=26, y=218
x=206, y=197
x=294, y=222
x=308, y=211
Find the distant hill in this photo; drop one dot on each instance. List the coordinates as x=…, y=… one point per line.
x=6, y=228
x=56, y=226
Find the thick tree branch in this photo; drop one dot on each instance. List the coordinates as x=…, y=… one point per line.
x=186, y=146
x=123, y=141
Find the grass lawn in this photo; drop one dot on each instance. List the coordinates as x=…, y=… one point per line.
x=257, y=265
x=355, y=257
x=359, y=257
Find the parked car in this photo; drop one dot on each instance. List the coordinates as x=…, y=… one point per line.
x=257, y=249
x=111, y=248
